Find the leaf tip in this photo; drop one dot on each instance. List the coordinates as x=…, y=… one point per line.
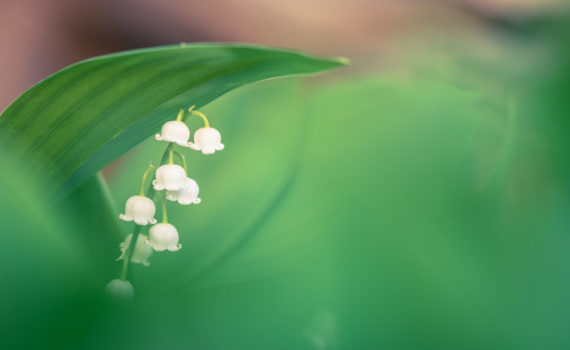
x=343, y=60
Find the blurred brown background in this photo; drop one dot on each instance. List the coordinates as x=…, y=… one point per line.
x=39, y=37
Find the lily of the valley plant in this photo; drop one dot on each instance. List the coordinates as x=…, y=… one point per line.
x=171, y=183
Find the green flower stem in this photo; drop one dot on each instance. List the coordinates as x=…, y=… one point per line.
x=180, y=115
x=171, y=154
x=183, y=160
x=143, y=181
x=201, y=115
x=165, y=156
x=190, y=110
x=164, y=213
x=129, y=252
x=150, y=192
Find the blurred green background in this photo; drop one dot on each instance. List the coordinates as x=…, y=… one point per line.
x=418, y=199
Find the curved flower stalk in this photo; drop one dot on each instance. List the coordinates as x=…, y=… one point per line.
x=171, y=178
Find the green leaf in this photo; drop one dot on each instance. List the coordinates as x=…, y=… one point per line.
x=75, y=122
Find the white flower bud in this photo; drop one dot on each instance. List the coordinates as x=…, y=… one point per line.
x=174, y=131
x=142, y=250
x=121, y=290
x=170, y=177
x=163, y=237
x=208, y=140
x=187, y=194
x=140, y=209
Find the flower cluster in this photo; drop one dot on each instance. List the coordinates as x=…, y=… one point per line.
x=172, y=183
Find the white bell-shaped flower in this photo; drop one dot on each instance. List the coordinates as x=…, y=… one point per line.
x=208, y=140
x=119, y=289
x=187, y=194
x=163, y=237
x=170, y=177
x=174, y=131
x=142, y=250
x=140, y=209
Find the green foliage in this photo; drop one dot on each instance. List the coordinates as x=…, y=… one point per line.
x=392, y=211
